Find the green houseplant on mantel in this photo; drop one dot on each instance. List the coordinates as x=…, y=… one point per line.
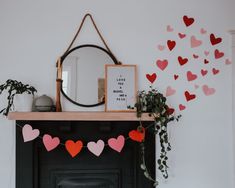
x=154, y=103
x=14, y=87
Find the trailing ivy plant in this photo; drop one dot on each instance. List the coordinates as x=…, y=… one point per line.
x=154, y=103
x=14, y=87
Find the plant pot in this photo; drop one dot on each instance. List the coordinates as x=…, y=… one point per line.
x=23, y=103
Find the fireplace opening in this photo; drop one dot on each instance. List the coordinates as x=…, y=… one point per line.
x=38, y=168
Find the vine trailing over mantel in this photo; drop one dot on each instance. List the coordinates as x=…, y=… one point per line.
x=154, y=103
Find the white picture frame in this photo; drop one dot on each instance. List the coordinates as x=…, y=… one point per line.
x=120, y=87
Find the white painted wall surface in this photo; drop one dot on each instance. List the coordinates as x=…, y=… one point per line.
x=34, y=33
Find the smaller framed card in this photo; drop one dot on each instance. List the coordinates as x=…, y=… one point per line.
x=120, y=87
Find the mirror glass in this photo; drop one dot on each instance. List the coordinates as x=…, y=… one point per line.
x=83, y=73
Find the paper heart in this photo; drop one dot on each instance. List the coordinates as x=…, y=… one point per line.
x=171, y=44
x=137, y=135
x=195, y=56
x=191, y=76
x=189, y=96
x=73, y=148
x=49, y=142
x=161, y=47
x=195, y=42
x=162, y=64
x=203, y=31
x=215, y=71
x=215, y=40
x=206, y=61
x=170, y=111
x=182, y=107
x=151, y=77
x=117, y=144
x=206, y=53
x=170, y=91
x=96, y=147
x=188, y=21
x=218, y=54
x=182, y=60
x=181, y=35
x=169, y=28
x=196, y=86
x=203, y=72
x=208, y=91
x=176, y=76
x=228, y=62
x=29, y=133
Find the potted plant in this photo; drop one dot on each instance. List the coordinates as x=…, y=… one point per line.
x=14, y=87
x=154, y=103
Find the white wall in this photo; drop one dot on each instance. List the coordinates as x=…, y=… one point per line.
x=34, y=33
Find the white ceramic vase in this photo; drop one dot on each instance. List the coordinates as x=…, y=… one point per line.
x=23, y=102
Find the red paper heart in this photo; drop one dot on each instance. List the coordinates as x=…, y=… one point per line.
x=195, y=56
x=215, y=71
x=189, y=96
x=171, y=44
x=170, y=111
x=203, y=72
x=182, y=107
x=137, y=135
x=73, y=148
x=162, y=64
x=182, y=60
x=188, y=21
x=181, y=35
x=151, y=77
x=191, y=76
x=206, y=61
x=176, y=76
x=215, y=40
x=218, y=54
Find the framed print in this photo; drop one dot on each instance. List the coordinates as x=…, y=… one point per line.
x=120, y=87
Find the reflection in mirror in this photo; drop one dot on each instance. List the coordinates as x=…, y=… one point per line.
x=83, y=74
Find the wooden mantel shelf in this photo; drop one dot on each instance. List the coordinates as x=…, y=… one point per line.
x=78, y=116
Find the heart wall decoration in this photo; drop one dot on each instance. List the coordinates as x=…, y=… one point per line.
x=117, y=144
x=49, y=142
x=96, y=147
x=29, y=133
x=73, y=148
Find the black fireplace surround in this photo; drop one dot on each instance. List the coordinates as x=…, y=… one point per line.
x=37, y=168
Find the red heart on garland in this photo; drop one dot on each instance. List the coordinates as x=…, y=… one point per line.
x=215, y=40
x=176, y=76
x=151, y=77
x=191, y=76
x=188, y=21
x=203, y=72
x=206, y=61
x=182, y=60
x=73, y=148
x=162, y=64
x=181, y=35
x=215, y=71
x=137, y=135
x=189, y=96
x=171, y=44
x=218, y=54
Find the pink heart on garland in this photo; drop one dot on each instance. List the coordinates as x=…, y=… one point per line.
x=170, y=91
x=96, y=147
x=195, y=42
x=49, y=142
x=218, y=54
x=29, y=133
x=117, y=144
x=191, y=76
x=208, y=91
x=162, y=64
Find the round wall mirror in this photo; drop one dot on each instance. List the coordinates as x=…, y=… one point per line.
x=83, y=73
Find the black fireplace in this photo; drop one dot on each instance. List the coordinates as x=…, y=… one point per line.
x=38, y=168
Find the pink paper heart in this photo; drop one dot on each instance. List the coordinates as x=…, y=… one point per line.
x=182, y=107
x=49, y=142
x=29, y=133
x=191, y=76
x=228, y=62
x=170, y=91
x=117, y=144
x=96, y=148
x=195, y=42
x=208, y=91
x=169, y=28
x=161, y=47
x=162, y=64
x=206, y=53
x=203, y=31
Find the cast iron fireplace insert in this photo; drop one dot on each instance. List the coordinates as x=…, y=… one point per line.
x=37, y=168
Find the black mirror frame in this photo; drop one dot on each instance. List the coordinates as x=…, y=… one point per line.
x=70, y=51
